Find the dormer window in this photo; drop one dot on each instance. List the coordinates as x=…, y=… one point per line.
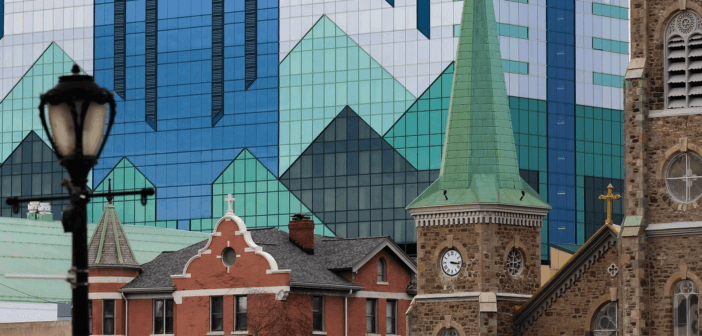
x=683, y=61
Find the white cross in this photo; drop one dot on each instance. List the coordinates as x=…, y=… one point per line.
x=229, y=200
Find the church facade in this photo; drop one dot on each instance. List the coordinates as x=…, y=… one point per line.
x=476, y=225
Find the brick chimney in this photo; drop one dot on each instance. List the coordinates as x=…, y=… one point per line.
x=301, y=230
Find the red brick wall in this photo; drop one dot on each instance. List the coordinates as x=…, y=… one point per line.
x=141, y=317
x=249, y=270
x=570, y=314
x=97, y=317
x=398, y=275
x=266, y=316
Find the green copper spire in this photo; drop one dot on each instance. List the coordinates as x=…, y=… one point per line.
x=479, y=163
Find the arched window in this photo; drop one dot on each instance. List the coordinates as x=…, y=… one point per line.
x=683, y=61
x=606, y=321
x=382, y=270
x=686, y=311
x=450, y=332
x=684, y=177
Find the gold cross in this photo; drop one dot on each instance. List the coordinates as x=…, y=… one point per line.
x=609, y=197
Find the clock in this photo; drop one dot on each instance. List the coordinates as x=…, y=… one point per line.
x=451, y=262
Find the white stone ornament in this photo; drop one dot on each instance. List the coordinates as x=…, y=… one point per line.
x=451, y=262
x=613, y=270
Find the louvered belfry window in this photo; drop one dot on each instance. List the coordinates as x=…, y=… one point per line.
x=683, y=63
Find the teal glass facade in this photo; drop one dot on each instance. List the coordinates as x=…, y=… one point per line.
x=339, y=112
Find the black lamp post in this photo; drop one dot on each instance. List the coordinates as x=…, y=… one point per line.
x=77, y=112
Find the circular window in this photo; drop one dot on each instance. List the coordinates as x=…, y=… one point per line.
x=228, y=256
x=450, y=332
x=684, y=177
x=515, y=262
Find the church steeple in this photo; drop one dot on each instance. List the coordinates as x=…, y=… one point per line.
x=479, y=162
x=479, y=223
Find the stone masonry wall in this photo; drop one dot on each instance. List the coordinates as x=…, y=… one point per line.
x=485, y=248
x=666, y=256
x=500, y=240
x=426, y=316
x=573, y=312
x=665, y=133
x=430, y=278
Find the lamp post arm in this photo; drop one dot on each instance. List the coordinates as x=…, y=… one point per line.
x=14, y=202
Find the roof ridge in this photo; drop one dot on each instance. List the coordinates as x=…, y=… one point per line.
x=527, y=314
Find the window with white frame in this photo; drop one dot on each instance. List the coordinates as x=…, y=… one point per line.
x=318, y=313
x=686, y=309
x=683, y=60
x=108, y=317
x=241, y=310
x=216, y=313
x=371, y=316
x=163, y=316
x=382, y=270
x=391, y=317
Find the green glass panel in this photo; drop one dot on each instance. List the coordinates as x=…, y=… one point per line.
x=260, y=199
x=366, y=87
x=610, y=45
x=126, y=177
x=18, y=110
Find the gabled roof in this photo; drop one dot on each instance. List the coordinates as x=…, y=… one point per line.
x=571, y=271
x=352, y=254
x=318, y=270
x=109, y=246
x=479, y=163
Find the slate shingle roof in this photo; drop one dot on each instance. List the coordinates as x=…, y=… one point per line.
x=306, y=270
x=157, y=273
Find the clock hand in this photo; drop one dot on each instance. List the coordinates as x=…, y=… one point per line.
x=455, y=263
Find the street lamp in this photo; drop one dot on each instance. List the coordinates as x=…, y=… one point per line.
x=77, y=112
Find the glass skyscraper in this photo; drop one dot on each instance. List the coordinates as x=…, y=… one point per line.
x=333, y=108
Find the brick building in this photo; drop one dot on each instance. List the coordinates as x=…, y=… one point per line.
x=250, y=282
x=477, y=225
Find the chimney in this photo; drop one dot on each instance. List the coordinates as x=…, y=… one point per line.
x=45, y=212
x=301, y=232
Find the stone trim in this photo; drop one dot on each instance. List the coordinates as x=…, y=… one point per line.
x=447, y=323
x=670, y=11
x=549, y=293
x=594, y=308
x=179, y=295
x=682, y=274
x=674, y=229
x=678, y=112
x=468, y=296
x=469, y=216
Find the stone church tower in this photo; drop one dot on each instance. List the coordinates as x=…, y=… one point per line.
x=661, y=239
x=479, y=224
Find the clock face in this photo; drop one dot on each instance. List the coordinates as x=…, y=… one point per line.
x=451, y=262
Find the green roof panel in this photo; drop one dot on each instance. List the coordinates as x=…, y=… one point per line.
x=42, y=248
